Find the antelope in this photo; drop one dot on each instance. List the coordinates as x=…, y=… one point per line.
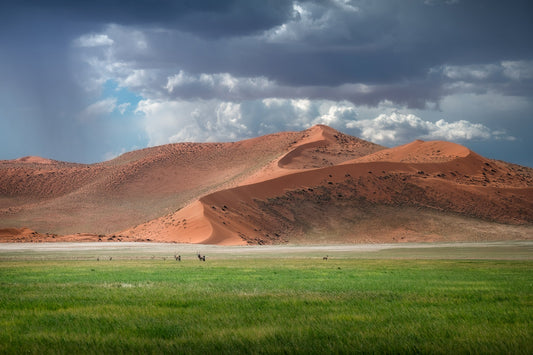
x=325, y=258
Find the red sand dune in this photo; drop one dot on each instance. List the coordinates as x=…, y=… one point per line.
x=35, y=160
x=419, y=152
x=314, y=186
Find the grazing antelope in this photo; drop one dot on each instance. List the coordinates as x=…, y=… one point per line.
x=325, y=258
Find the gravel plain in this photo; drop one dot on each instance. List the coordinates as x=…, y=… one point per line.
x=134, y=250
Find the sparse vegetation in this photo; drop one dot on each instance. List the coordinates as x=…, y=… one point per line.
x=295, y=305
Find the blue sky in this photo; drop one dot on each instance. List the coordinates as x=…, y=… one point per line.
x=86, y=81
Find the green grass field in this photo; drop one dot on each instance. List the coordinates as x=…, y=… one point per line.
x=266, y=305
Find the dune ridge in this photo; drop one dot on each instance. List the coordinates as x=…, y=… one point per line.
x=314, y=186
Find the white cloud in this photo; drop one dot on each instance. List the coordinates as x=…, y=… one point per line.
x=98, y=109
x=398, y=128
x=136, y=78
x=346, y=5
x=487, y=73
x=186, y=121
x=469, y=72
x=93, y=40
x=310, y=20
x=518, y=70
x=337, y=115
x=457, y=131
x=215, y=120
x=123, y=107
x=178, y=80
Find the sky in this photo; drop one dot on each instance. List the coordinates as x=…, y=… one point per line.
x=85, y=81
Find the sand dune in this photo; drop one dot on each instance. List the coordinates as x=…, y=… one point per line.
x=318, y=185
x=428, y=176
x=419, y=152
x=35, y=160
x=67, y=198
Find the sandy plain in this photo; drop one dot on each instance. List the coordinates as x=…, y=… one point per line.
x=502, y=250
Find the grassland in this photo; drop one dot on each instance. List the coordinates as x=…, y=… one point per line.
x=295, y=304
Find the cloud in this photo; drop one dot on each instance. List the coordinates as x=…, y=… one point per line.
x=218, y=70
x=98, y=109
x=219, y=85
x=215, y=120
x=321, y=50
x=518, y=70
x=173, y=121
x=203, y=17
x=487, y=73
x=398, y=128
x=93, y=40
x=122, y=108
x=469, y=72
x=337, y=115
x=327, y=50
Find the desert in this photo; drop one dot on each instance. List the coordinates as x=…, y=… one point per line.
x=266, y=177
x=314, y=186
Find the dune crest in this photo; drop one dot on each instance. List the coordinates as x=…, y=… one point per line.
x=419, y=152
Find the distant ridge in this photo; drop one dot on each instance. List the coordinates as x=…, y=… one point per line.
x=314, y=186
x=35, y=160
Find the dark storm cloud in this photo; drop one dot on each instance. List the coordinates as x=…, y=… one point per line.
x=395, y=41
x=212, y=18
x=324, y=44
x=321, y=43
